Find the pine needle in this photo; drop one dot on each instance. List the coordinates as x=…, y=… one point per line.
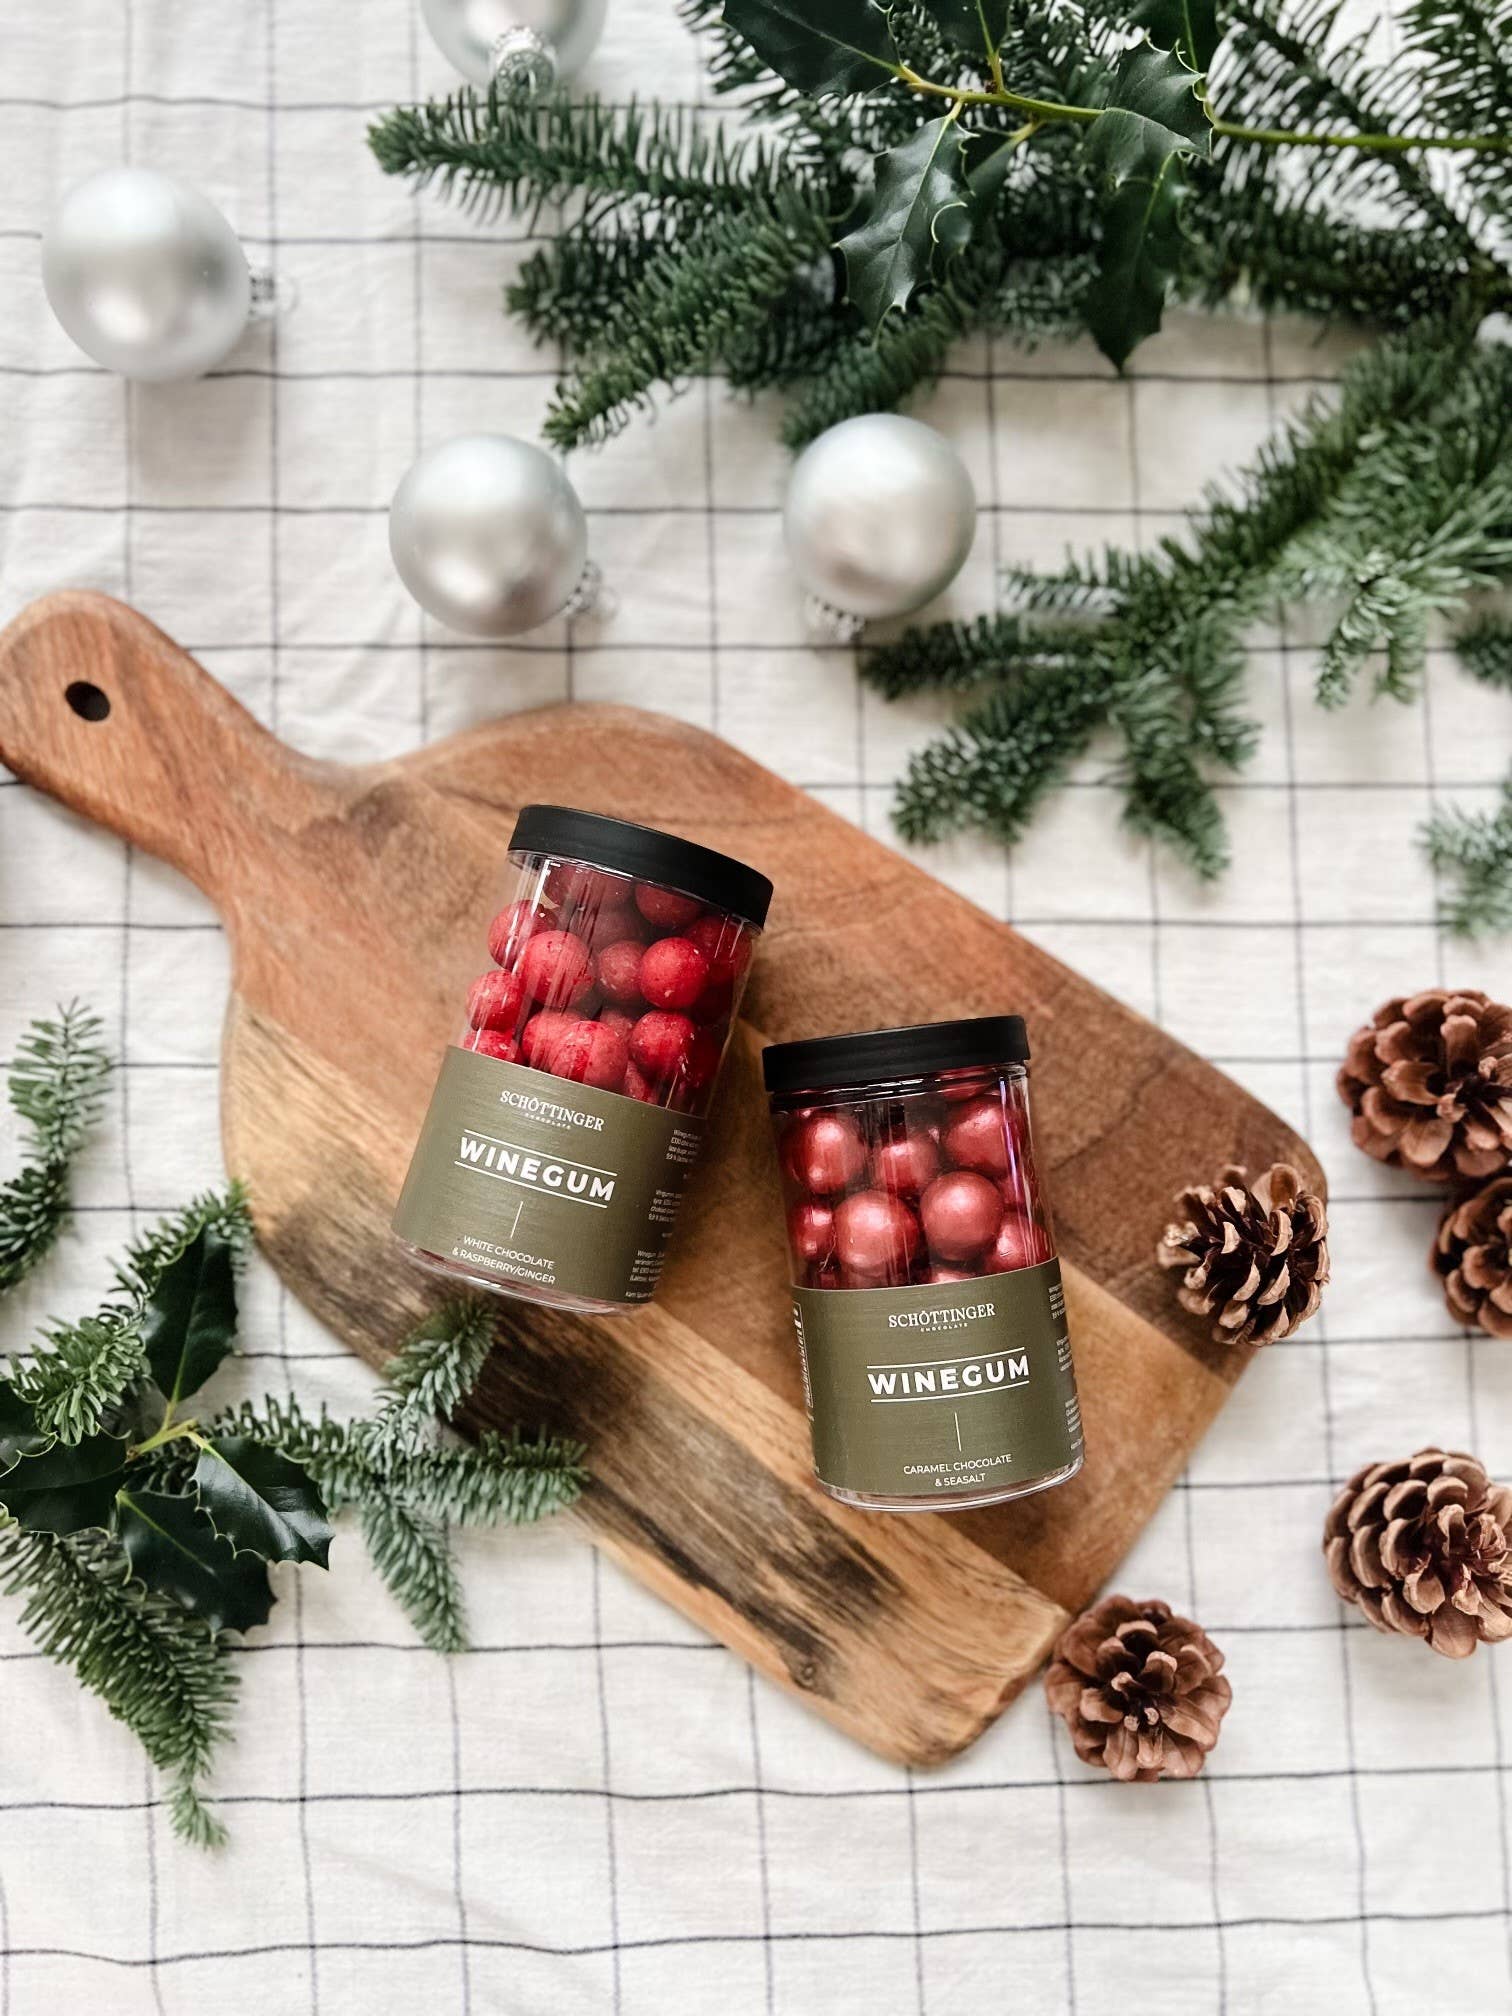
x=56, y=1087
x=1475, y=850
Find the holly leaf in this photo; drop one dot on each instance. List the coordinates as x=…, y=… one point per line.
x=920, y=201
x=1153, y=122
x=261, y=1501
x=19, y=1434
x=191, y=1319
x=173, y=1547
x=1190, y=27
x=828, y=48
x=65, y=1488
x=976, y=27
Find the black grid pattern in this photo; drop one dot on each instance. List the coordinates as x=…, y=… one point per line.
x=596, y=1810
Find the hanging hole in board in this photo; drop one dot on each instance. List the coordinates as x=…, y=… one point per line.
x=87, y=701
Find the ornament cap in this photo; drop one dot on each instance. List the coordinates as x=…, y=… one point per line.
x=523, y=61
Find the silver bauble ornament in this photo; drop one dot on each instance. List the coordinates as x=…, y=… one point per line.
x=525, y=43
x=146, y=275
x=879, y=518
x=489, y=536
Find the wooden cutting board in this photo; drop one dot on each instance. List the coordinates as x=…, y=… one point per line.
x=354, y=898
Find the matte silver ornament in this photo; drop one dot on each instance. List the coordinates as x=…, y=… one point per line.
x=489, y=536
x=146, y=275
x=527, y=42
x=879, y=518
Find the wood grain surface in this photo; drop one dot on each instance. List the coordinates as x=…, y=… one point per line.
x=354, y=899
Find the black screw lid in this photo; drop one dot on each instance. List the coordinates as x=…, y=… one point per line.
x=871, y=1055
x=642, y=851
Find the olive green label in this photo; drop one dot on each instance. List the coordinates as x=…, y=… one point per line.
x=962, y=1387
x=533, y=1180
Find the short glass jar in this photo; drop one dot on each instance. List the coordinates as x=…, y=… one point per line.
x=570, y=1108
x=926, y=1291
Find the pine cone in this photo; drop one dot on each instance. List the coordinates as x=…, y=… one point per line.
x=1256, y=1256
x=1429, y=1082
x=1140, y=1689
x=1422, y=1547
x=1473, y=1253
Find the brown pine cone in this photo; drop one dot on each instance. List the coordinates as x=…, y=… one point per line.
x=1140, y=1689
x=1255, y=1255
x=1422, y=1547
x=1473, y=1254
x=1429, y=1082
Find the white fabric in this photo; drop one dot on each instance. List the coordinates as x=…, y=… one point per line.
x=596, y=1810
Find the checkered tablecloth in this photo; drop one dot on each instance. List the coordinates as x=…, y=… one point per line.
x=597, y=1810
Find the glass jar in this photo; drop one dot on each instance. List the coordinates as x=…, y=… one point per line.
x=569, y=1111
x=926, y=1293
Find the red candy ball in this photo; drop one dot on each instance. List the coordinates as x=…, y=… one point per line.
x=714, y=1004
x=619, y=971
x=590, y=1053
x=673, y=973
x=660, y=1043
x=905, y=1164
x=940, y=1277
x=511, y=928
x=613, y=926
x=495, y=999
x=726, y=947
x=875, y=1234
x=540, y=1034
x=961, y=1213
x=665, y=908
x=823, y=1153
x=1018, y=1244
x=702, y=1060
x=638, y=1086
x=576, y=885
x=811, y=1228
x=976, y=1138
x=616, y=1018
x=492, y=1043
x=555, y=968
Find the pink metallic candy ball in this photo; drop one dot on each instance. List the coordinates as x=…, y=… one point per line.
x=1018, y=1244
x=811, y=1228
x=961, y=1213
x=875, y=1235
x=823, y=1153
x=905, y=1164
x=976, y=1138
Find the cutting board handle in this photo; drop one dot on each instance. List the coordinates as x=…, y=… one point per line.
x=101, y=710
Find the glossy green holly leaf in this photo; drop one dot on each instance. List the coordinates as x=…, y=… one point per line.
x=67, y=1487
x=261, y=1500
x=975, y=27
x=828, y=48
x=1190, y=27
x=1153, y=123
x=173, y=1547
x=19, y=1434
x=191, y=1319
x=919, y=203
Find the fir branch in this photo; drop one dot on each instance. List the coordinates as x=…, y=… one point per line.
x=438, y=1364
x=156, y=1668
x=413, y=1555
x=1475, y=849
x=81, y=1376
x=693, y=303
x=56, y=1088
x=1485, y=651
x=491, y=152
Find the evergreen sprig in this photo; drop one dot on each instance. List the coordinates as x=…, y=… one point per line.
x=55, y=1087
x=1394, y=499
x=1474, y=849
x=139, y=1531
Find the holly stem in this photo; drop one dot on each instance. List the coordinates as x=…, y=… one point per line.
x=1041, y=109
x=169, y=1431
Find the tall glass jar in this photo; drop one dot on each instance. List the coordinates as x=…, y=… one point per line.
x=569, y=1110
x=926, y=1290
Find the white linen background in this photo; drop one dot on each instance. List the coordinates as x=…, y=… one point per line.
x=596, y=1810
